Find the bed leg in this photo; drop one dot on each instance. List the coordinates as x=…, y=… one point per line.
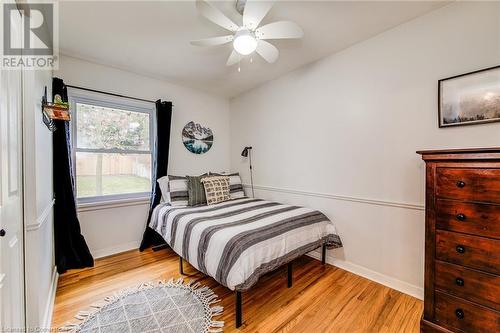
x=290, y=275
x=181, y=268
x=323, y=254
x=239, y=314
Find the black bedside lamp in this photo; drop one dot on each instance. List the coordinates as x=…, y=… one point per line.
x=247, y=152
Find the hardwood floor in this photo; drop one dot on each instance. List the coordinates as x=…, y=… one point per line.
x=322, y=299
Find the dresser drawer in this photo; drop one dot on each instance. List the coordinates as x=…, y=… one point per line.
x=468, y=184
x=456, y=313
x=470, y=218
x=480, y=287
x=471, y=251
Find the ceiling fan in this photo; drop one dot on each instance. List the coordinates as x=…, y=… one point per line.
x=248, y=37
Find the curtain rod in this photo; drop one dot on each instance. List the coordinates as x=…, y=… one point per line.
x=108, y=93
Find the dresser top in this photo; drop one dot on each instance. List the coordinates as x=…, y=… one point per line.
x=461, y=154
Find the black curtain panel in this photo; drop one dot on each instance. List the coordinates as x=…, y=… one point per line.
x=71, y=251
x=160, y=166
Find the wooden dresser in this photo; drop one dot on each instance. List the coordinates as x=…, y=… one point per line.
x=462, y=241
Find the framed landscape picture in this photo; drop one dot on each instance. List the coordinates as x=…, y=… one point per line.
x=472, y=98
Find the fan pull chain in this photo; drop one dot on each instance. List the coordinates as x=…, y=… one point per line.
x=239, y=64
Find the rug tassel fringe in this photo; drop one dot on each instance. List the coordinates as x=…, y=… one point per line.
x=216, y=326
x=99, y=305
x=217, y=310
x=217, y=323
x=204, y=289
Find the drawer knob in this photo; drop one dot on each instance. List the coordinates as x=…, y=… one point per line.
x=460, y=184
x=459, y=282
x=461, y=217
x=460, y=249
x=459, y=313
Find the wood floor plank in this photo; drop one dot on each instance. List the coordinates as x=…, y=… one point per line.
x=322, y=299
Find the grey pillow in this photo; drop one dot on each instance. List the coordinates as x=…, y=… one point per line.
x=196, y=191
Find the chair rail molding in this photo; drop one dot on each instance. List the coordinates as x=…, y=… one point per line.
x=42, y=218
x=386, y=203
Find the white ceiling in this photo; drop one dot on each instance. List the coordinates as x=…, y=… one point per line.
x=152, y=37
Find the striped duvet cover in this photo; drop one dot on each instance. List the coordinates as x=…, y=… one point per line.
x=237, y=241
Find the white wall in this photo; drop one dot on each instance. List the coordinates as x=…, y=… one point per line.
x=41, y=275
x=343, y=132
x=117, y=229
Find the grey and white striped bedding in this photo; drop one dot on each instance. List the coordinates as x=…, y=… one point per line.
x=238, y=241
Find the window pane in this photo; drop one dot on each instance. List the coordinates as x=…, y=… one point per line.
x=107, y=128
x=106, y=174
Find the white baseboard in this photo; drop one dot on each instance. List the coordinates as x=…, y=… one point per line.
x=49, y=307
x=100, y=253
x=386, y=280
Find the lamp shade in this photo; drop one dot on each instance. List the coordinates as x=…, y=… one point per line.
x=244, y=153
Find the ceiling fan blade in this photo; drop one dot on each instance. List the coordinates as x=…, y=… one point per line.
x=279, y=30
x=215, y=15
x=267, y=51
x=214, y=41
x=233, y=58
x=254, y=12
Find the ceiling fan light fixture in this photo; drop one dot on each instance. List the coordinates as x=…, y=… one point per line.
x=251, y=36
x=244, y=42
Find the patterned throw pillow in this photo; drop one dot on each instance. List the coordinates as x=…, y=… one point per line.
x=216, y=189
x=196, y=191
x=235, y=185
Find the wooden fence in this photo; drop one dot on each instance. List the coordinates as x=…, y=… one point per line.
x=114, y=164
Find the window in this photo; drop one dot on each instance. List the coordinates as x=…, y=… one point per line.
x=112, y=143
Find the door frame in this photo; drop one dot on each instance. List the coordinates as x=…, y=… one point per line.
x=22, y=181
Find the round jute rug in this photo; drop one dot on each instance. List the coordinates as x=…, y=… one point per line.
x=166, y=307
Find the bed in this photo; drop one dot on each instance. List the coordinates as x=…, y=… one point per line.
x=237, y=241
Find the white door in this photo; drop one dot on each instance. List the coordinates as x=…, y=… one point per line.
x=11, y=197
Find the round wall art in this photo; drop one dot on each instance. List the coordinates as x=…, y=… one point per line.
x=196, y=138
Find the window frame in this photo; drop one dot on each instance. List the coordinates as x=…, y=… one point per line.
x=75, y=96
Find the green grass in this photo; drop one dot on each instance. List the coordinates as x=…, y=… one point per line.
x=86, y=185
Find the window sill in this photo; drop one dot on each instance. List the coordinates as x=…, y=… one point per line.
x=110, y=204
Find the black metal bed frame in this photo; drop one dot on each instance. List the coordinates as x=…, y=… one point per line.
x=239, y=298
